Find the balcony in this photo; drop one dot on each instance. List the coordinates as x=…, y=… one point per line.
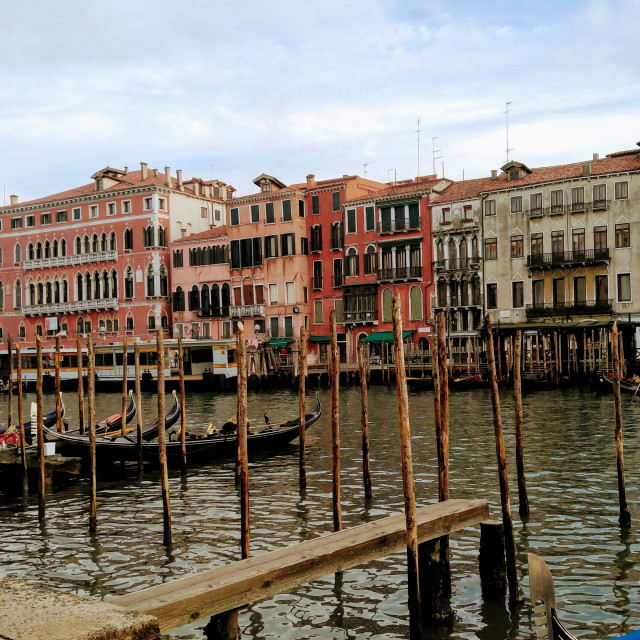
x=568, y=258
x=457, y=264
x=600, y=205
x=360, y=317
x=536, y=212
x=54, y=308
x=397, y=226
x=66, y=261
x=556, y=209
x=584, y=307
x=214, y=312
x=246, y=310
x=578, y=207
x=400, y=273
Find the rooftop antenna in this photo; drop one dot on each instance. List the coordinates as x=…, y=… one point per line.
x=211, y=171
x=506, y=113
x=395, y=175
x=364, y=168
x=433, y=153
x=418, y=132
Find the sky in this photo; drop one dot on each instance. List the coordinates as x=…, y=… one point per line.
x=231, y=89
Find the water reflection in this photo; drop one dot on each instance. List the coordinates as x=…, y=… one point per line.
x=571, y=481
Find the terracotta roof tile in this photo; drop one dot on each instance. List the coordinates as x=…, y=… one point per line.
x=209, y=234
x=411, y=187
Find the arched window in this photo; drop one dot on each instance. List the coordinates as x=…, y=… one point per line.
x=151, y=321
x=65, y=291
x=178, y=299
x=79, y=326
x=453, y=254
x=87, y=244
x=194, y=299
x=225, y=299
x=78, y=245
x=64, y=328
x=147, y=238
x=128, y=283
x=352, y=263
x=38, y=251
x=370, y=260
x=17, y=254
x=41, y=299
x=31, y=254
x=79, y=295
x=162, y=236
x=96, y=285
x=17, y=294
x=151, y=288
x=439, y=251
x=215, y=300
x=415, y=303
x=128, y=239
x=87, y=286
x=63, y=247
x=47, y=249
x=114, y=283
x=22, y=331
x=56, y=291
x=387, y=301
x=1, y=296
x=95, y=243
x=87, y=325
x=49, y=292
x=164, y=320
x=55, y=248
x=103, y=242
x=164, y=281
x=109, y=324
x=105, y=285
x=31, y=289
x=205, y=301
x=112, y=241
x=39, y=328
x=129, y=323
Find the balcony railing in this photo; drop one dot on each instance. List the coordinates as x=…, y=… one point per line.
x=65, y=261
x=441, y=305
x=599, y=205
x=337, y=280
x=214, y=312
x=564, y=258
x=536, y=212
x=575, y=207
x=393, y=227
x=69, y=307
x=246, y=310
x=556, y=209
x=336, y=243
x=583, y=307
x=360, y=316
x=578, y=207
x=456, y=264
x=400, y=273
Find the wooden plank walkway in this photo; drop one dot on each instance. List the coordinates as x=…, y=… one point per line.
x=238, y=584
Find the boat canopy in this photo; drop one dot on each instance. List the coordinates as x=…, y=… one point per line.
x=379, y=337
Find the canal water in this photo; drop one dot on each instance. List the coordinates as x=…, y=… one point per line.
x=571, y=476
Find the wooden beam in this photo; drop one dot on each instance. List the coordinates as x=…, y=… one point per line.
x=238, y=584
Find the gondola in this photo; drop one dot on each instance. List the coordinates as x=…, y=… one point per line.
x=419, y=384
x=629, y=385
x=265, y=437
x=49, y=419
x=542, y=590
x=112, y=423
x=115, y=445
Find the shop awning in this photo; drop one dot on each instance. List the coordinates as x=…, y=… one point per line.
x=319, y=339
x=279, y=342
x=378, y=337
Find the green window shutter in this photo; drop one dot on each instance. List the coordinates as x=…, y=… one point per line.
x=315, y=204
x=414, y=216
x=386, y=219
x=336, y=201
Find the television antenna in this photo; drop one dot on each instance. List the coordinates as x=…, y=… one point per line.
x=506, y=113
x=433, y=153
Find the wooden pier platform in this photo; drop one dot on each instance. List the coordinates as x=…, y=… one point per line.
x=180, y=602
x=56, y=467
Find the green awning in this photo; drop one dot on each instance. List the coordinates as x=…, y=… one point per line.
x=279, y=342
x=378, y=337
x=319, y=339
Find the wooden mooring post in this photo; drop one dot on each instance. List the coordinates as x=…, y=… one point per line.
x=183, y=413
x=56, y=369
x=302, y=389
x=23, y=435
x=40, y=427
x=162, y=446
x=510, y=548
x=91, y=397
x=625, y=517
x=523, y=500
x=80, y=386
x=366, y=475
x=335, y=420
x=242, y=462
x=125, y=367
x=10, y=383
x=138, y=392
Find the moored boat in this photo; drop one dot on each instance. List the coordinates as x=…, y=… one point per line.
x=629, y=385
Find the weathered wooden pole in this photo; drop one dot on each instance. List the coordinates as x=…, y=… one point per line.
x=183, y=413
x=138, y=394
x=40, y=427
x=125, y=371
x=523, y=504
x=335, y=420
x=56, y=369
x=91, y=400
x=468, y=348
x=502, y=467
x=80, y=386
x=23, y=435
x=538, y=352
x=162, y=447
x=625, y=516
x=408, y=483
x=10, y=383
x=499, y=356
x=366, y=476
x=302, y=389
x=242, y=462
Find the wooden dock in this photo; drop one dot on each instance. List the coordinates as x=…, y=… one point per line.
x=217, y=591
x=56, y=467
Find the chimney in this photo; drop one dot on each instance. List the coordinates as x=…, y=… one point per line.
x=596, y=156
x=207, y=191
x=586, y=168
x=311, y=181
x=13, y=199
x=179, y=178
x=143, y=168
x=494, y=174
x=167, y=176
x=155, y=173
x=126, y=170
x=196, y=187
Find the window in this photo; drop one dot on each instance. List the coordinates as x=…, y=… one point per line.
x=17, y=294
x=557, y=201
x=338, y=276
x=535, y=204
x=315, y=205
x=336, y=201
x=599, y=196
x=338, y=305
x=517, y=249
x=623, y=237
x=287, y=244
x=558, y=292
x=370, y=260
x=111, y=208
x=151, y=288
x=304, y=246
x=352, y=264
x=624, y=287
x=17, y=254
x=216, y=215
x=271, y=247
x=602, y=289
x=317, y=275
x=301, y=208
x=128, y=283
x=75, y=213
x=316, y=238
x=537, y=293
x=414, y=215
x=579, y=290
x=516, y=204
x=577, y=242
x=351, y=221
x=288, y=326
x=621, y=190
x=387, y=305
x=128, y=239
x=178, y=258
x=370, y=219
x=162, y=204
x=255, y=213
x=445, y=217
x=490, y=208
x=491, y=249
x=93, y=211
x=273, y=294
x=557, y=243
x=61, y=216
x=492, y=296
x=317, y=312
x=45, y=218
x=415, y=303
x=22, y=331
x=270, y=216
x=577, y=199
x=16, y=223
x=30, y=221
x=274, y=326
x=600, y=238
x=235, y=217
x=289, y=292
x=536, y=244
x=126, y=206
x=286, y=211
x=517, y=295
